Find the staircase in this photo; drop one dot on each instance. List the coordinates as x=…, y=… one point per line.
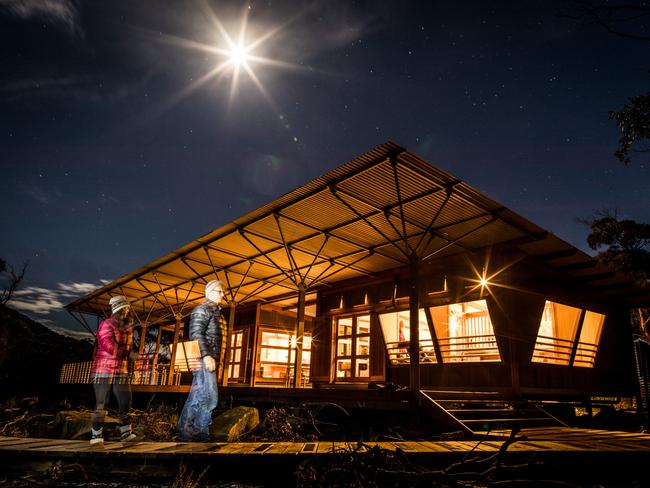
x=479, y=413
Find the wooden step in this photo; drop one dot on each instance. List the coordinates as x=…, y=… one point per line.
x=474, y=412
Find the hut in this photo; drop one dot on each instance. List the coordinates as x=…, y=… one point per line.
x=388, y=271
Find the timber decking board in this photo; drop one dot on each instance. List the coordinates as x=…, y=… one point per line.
x=278, y=448
x=552, y=439
x=294, y=448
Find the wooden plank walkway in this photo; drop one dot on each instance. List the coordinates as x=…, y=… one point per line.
x=531, y=440
x=577, y=449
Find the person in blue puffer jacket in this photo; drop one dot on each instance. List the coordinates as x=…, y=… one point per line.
x=207, y=327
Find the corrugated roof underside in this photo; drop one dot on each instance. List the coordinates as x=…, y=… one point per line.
x=364, y=217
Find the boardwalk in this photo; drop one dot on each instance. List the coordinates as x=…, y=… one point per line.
x=592, y=451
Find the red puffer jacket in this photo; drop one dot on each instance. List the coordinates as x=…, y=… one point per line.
x=113, y=347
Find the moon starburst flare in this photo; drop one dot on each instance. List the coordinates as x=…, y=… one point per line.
x=236, y=55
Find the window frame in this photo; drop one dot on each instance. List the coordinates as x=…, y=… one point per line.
x=353, y=356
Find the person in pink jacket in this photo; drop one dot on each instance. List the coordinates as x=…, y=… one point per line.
x=110, y=369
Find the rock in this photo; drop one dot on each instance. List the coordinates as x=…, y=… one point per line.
x=72, y=424
x=234, y=423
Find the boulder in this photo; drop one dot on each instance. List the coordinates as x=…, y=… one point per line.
x=234, y=423
x=73, y=424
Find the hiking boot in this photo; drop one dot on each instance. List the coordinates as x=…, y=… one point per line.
x=96, y=438
x=126, y=434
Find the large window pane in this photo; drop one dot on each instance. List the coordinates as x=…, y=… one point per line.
x=465, y=332
x=592, y=327
x=278, y=355
x=396, y=328
x=557, y=331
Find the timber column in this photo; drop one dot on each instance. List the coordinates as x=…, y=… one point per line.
x=414, y=326
x=225, y=360
x=177, y=331
x=299, y=332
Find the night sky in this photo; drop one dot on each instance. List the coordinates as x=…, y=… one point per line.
x=116, y=148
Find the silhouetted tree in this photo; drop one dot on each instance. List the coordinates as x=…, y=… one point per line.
x=10, y=280
x=626, y=243
x=626, y=246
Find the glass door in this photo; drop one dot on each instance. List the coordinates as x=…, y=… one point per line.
x=352, y=349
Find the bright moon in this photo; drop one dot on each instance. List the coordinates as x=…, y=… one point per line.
x=238, y=55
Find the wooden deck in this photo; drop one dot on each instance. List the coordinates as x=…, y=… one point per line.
x=590, y=451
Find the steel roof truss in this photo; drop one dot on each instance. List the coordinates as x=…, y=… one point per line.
x=335, y=192
x=459, y=238
x=292, y=261
x=393, y=162
x=429, y=230
x=342, y=238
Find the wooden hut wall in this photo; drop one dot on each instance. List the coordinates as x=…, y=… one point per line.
x=377, y=350
x=322, y=347
x=245, y=319
x=515, y=316
x=615, y=370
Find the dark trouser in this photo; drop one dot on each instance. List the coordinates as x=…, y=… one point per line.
x=121, y=390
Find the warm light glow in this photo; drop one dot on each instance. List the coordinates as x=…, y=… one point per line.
x=238, y=55
x=483, y=282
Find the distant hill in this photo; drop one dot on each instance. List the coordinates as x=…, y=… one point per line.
x=31, y=356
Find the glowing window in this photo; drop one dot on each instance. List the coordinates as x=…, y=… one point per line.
x=558, y=329
x=353, y=348
x=465, y=332
x=556, y=335
x=277, y=357
x=397, y=334
x=592, y=326
x=235, y=364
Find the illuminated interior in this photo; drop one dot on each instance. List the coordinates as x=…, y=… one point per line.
x=235, y=370
x=465, y=333
x=396, y=328
x=277, y=357
x=592, y=326
x=568, y=336
x=353, y=348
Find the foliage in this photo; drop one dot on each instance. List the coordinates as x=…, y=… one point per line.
x=625, y=20
x=155, y=423
x=634, y=122
x=186, y=478
x=279, y=425
x=627, y=244
x=10, y=280
x=362, y=465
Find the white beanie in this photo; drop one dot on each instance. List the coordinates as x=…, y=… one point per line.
x=209, y=287
x=117, y=303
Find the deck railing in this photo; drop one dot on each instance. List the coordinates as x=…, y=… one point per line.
x=554, y=350
x=471, y=348
x=398, y=352
x=81, y=373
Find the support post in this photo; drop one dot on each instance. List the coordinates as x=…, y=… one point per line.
x=299, y=332
x=225, y=360
x=143, y=336
x=414, y=327
x=177, y=330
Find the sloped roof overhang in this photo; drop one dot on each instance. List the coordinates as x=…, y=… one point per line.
x=377, y=212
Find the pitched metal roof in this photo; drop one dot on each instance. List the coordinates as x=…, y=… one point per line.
x=366, y=216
